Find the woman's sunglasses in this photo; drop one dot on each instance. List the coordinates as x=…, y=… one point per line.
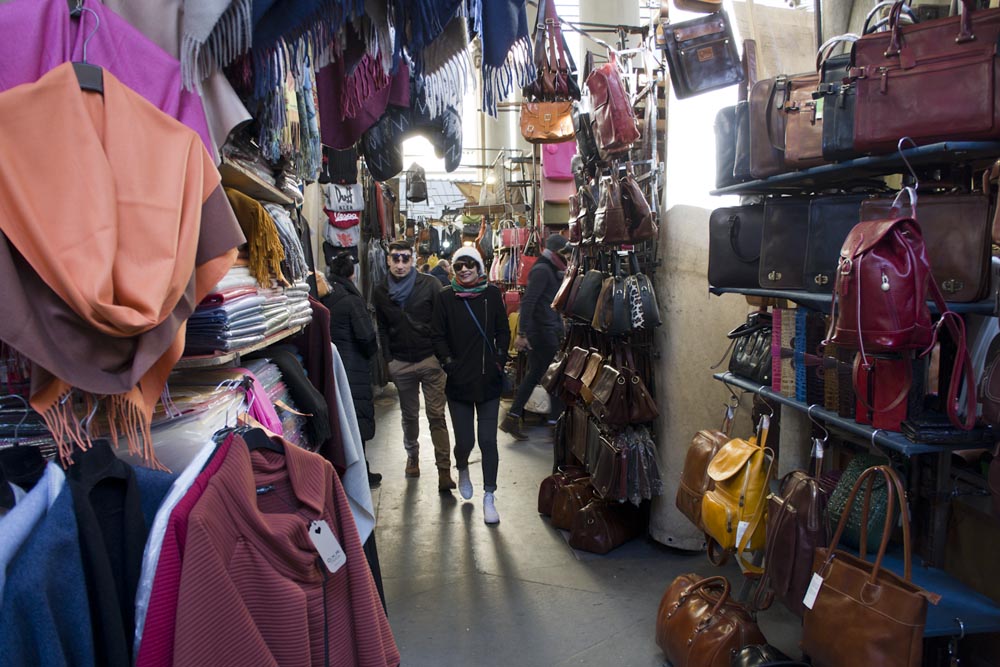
x=461, y=266
x=401, y=257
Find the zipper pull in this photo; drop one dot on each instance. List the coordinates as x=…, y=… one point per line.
x=884, y=84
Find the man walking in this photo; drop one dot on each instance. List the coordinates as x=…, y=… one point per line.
x=539, y=330
x=404, y=306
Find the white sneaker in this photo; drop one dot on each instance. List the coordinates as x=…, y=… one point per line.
x=490, y=514
x=464, y=483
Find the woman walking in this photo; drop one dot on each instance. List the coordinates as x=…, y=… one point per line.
x=471, y=336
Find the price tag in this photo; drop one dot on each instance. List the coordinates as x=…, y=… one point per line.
x=819, y=109
x=814, y=585
x=741, y=528
x=327, y=545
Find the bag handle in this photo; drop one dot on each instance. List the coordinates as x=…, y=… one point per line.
x=708, y=582
x=826, y=50
x=734, y=235
x=870, y=27
x=482, y=331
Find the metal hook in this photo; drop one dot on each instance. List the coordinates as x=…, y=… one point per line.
x=93, y=32
x=877, y=447
x=899, y=147
x=24, y=416
x=822, y=426
x=90, y=417
x=961, y=628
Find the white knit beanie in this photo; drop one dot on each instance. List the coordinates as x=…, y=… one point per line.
x=471, y=253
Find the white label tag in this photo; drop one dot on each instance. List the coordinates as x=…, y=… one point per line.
x=741, y=528
x=814, y=585
x=327, y=545
x=819, y=109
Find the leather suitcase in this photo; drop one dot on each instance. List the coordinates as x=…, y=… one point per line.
x=783, y=243
x=830, y=220
x=734, y=235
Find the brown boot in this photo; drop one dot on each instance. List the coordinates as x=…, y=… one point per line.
x=511, y=425
x=412, y=466
x=445, y=482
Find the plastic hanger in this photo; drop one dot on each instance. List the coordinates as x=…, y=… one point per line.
x=91, y=77
x=23, y=466
x=256, y=437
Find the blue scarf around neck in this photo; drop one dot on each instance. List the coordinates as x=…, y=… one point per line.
x=400, y=289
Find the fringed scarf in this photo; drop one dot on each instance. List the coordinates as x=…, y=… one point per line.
x=444, y=67
x=472, y=290
x=508, y=61
x=263, y=241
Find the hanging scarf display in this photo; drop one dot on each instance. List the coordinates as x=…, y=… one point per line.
x=98, y=281
x=265, y=249
x=507, y=49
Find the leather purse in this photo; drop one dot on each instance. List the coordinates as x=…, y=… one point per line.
x=955, y=57
x=553, y=374
x=767, y=126
x=602, y=526
x=580, y=433
x=638, y=216
x=610, y=405
x=694, y=480
x=585, y=300
x=547, y=489
x=835, y=98
x=725, y=147
x=610, y=226
x=881, y=388
x=588, y=212
x=763, y=655
x=642, y=407
x=586, y=142
x=547, y=122
x=614, y=123
x=641, y=297
x=570, y=499
x=573, y=371
x=557, y=160
x=609, y=471
x=783, y=243
x=555, y=70
x=734, y=239
x=882, y=613
x=702, y=55
x=831, y=219
x=574, y=289
x=803, y=124
x=751, y=357
x=590, y=370
x=699, y=625
x=741, y=162
x=734, y=510
x=612, y=315
x=878, y=505
x=560, y=300
x=956, y=231
x=512, y=301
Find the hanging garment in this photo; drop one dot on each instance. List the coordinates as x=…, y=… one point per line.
x=97, y=294
x=263, y=241
x=17, y=524
x=355, y=478
x=507, y=49
x=249, y=560
x=115, y=45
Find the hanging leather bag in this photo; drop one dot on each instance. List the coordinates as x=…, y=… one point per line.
x=547, y=489
x=614, y=123
x=572, y=372
x=783, y=243
x=588, y=213
x=554, y=66
x=698, y=625
x=609, y=471
x=702, y=55
x=565, y=287
x=610, y=226
x=803, y=124
x=694, y=480
x=741, y=162
x=882, y=613
x=734, y=239
x=641, y=297
x=638, y=216
x=556, y=161
x=831, y=219
x=574, y=289
x=767, y=126
x=835, y=98
x=585, y=301
x=529, y=255
x=547, y=122
x=955, y=57
x=751, y=357
x=416, y=183
x=642, y=409
x=612, y=315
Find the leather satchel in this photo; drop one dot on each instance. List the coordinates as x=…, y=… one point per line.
x=783, y=243
x=702, y=55
x=560, y=300
x=553, y=374
x=614, y=123
x=831, y=219
x=570, y=499
x=638, y=216
x=610, y=226
x=803, y=124
x=734, y=238
x=956, y=231
x=763, y=655
x=725, y=147
x=882, y=613
x=602, y=526
x=878, y=505
x=609, y=471
x=699, y=625
x=547, y=489
x=572, y=372
x=954, y=57
x=741, y=163
x=694, y=480
x=585, y=300
x=547, y=122
x=767, y=126
x=589, y=376
x=836, y=97
x=751, y=357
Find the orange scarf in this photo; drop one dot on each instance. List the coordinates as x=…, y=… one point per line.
x=103, y=198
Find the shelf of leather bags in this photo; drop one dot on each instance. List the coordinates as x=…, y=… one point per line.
x=821, y=301
x=236, y=177
x=223, y=358
x=889, y=439
x=976, y=153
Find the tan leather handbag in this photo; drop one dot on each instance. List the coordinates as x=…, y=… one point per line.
x=733, y=511
x=547, y=122
x=594, y=363
x=803, y=125
x=694, y=477
x=698, y=625
x=882, y=613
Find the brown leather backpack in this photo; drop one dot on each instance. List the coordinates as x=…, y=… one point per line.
x=694, y=477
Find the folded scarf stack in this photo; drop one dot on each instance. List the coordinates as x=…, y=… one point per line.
x=228, y=326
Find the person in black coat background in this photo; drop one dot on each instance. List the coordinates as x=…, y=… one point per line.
x=471, y=336
x=352, y=332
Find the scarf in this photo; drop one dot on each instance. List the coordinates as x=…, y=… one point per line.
x=214, y=33
x=444, y=67
x=400, y=289
x=474, y=289
x=99, y=280
x=508, y=57
x=266, y=251
x=557, y=261
x=295, y=259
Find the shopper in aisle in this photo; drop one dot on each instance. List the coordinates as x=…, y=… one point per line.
x=540, y=330
x=442, y=271
x=352, y=332
x=471, y=336
x=404, y=305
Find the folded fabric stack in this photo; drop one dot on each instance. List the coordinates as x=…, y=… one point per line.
x=229, y=318
x=299, y=309
x=276, y=312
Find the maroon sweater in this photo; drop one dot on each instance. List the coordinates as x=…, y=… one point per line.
x=252, y=589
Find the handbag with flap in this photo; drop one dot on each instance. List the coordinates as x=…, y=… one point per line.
x=614, y=123
x=882, y=613
x=767, y=126
x=803, y=123
x=725, y=146
x=702, y=55
x=573, y=372
x=694, y=480
x=638, y=216
x=699, y=625
x=556, y=161
x=734, y=238
x=555, y=70
x=610, y=225
x=783, y=243
x=831, y=219
x=590, y=370
x=751, y=357
x=547, y=122
x=609, y=471
x=585, y=300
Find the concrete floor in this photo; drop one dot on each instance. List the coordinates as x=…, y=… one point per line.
x=461, y=593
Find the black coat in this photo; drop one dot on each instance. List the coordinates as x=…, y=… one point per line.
x=406, y=332
x=352, y=332
x=539, y=323
x=475, y=372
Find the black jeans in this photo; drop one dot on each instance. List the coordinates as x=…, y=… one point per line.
x=541, y=354
x=469, y=421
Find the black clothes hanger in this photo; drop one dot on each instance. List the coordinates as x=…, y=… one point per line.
x=257, y=438
x=91, y=77
x=23, y=466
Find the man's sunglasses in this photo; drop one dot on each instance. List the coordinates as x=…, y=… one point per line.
x=459, y=266
x=401, y=257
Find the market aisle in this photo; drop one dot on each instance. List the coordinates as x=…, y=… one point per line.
x=462, y=593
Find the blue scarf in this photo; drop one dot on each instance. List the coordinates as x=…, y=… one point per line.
x=508, y=57
x=400, y=289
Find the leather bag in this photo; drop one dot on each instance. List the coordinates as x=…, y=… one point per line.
x=882, y=613
x=956, y=232
x=416, y=183
x=741, y=163
x=763, y=655
x=736, y=506
x=642, y=409
x=547, y=489
x=803, y=124
x=638, y=216
x=585, y=301
x=831, y=218
x=767, y=126
x=783, y=243
x=878, y=505
x=586, y=142
x=556, y=161
x=612, y=315
x=881, y=388
x=568, y=500
x=602, y=526
x=573, y=371
x=614, y=122
x=702, y=55
x=694, y=480
x=609, y=471
x=955, y=57
x=547, y=122
x=751, y=357
x=565, y=287
x=594, y=362
x=734, y=239
x=725, y=147
x=836, y=97
x=555, y=70
x=610, y=226
x=699, y=625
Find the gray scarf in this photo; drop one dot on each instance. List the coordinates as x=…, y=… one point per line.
x=399, y=289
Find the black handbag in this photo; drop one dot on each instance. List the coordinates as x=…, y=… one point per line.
x=416, y=183
x=647, y=314
x=702, y=55
x=751, y=358
x=830, y=220
x=725, y=147
x=585, y=301
x=741, y=161
x=783, y=243
x=734, y=235
x=837, y=100
x=762, y=655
